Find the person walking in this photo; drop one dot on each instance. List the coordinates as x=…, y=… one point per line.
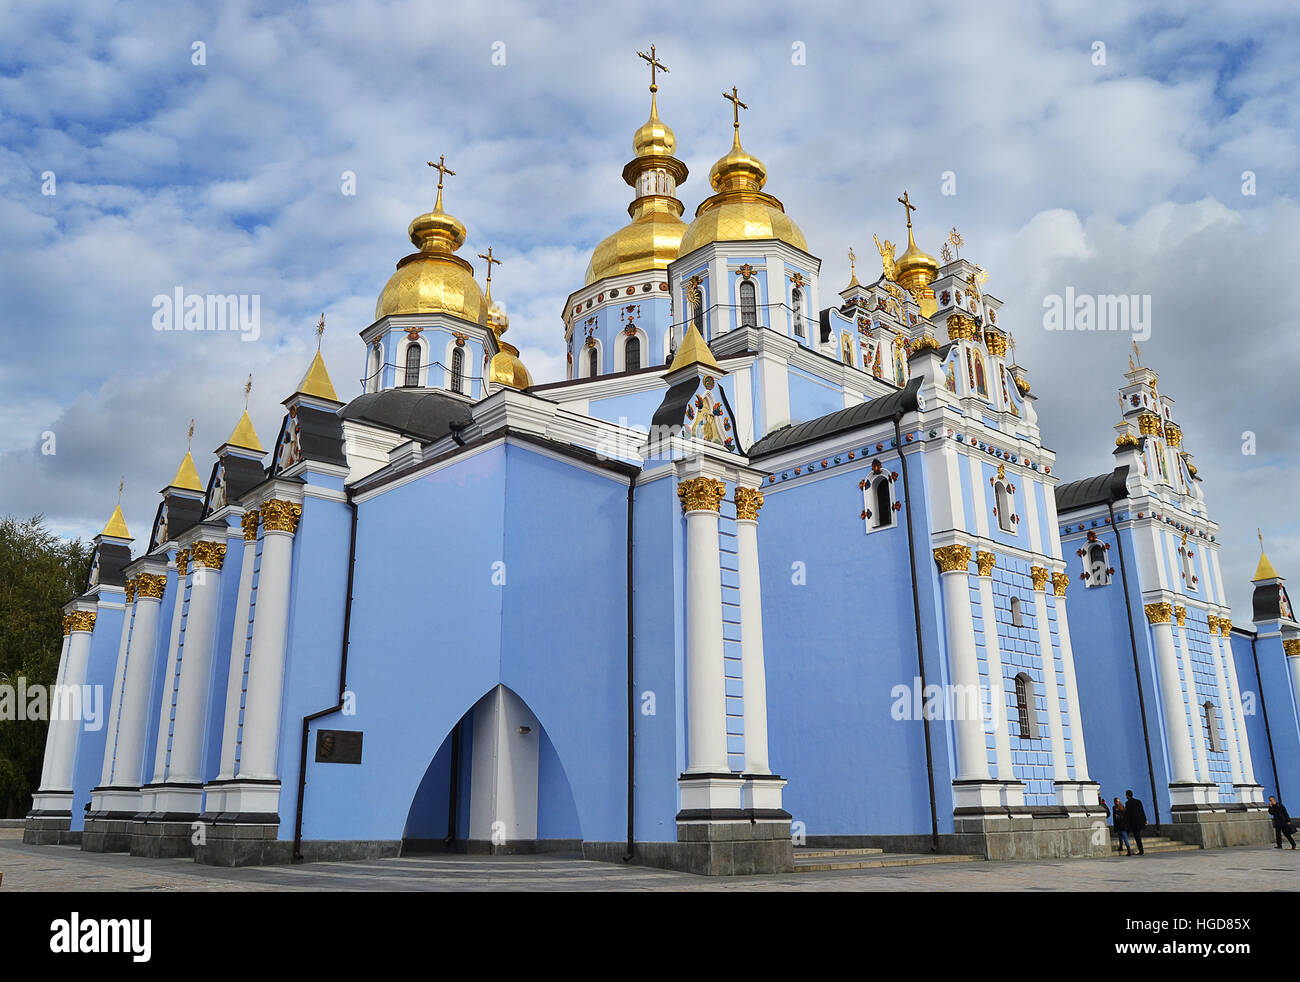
x=1120, y=820
x=1281, y=822
x=1137, y=819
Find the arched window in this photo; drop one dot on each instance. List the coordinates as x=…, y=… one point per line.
x=1189, y=569
x=748, y=305
x=457, y=368
x=593, y=362
x=1004, y=506
x=697, y=315
x=884, y=507
x=1095, y=574
x=1017, y=618
x=374, y=367
x=412, y=364
x=632, y=354
x=796, y=310
x=1212, y=727
x=1025, y=707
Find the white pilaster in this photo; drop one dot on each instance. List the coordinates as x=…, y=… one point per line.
x=1059, y=581
x=52, y=730
x=164, y=707
x=1182, y=768
x=128, y=760
x=238, y=645
x=115, y=700
x=963, y=661
x=1001, y=735
x=706, y=698
x=1229, y=709
x=63, y=764
x=753, y=667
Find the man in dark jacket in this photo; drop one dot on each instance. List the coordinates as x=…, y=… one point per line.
x=1137, y=819
x=1281, y=821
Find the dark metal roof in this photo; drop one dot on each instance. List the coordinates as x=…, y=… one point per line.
x=884, y=407
x=1092, y=491
x=422, y=413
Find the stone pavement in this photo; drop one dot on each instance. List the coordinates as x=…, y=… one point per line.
x=65, y=868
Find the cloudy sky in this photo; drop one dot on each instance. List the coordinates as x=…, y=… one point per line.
x=228, y=176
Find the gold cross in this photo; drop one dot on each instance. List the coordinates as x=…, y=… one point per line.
x=654, y=63
x=320, y=331
x=1137, y=353
x=248, y=387
x=120, y=485
x=736, y=105
x=189, y=437
x=489, y=259
x=443, y=171
x=907, y=204
x=853, y=270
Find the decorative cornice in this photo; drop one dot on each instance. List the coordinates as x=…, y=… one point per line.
x=279, y=515
x=209, y=554
x=952, y=559
x=182, y=562
x=67, y=625
x=250, y=521
x=985, y=561
x=150, y=585
x=1159, y=613
x=82, y=620
x=701, y=494
x=1291, y=646
x=1180, y=615
x=748, y=503
x=1040, y=576
x=1059, y=582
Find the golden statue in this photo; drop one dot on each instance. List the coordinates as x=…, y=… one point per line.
x=886, y=257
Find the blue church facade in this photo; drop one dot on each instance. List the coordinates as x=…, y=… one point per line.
x=757, y=572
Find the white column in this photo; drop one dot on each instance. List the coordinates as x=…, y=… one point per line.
x=1228, y=707
x=1183, y=770
x=65, y=745
x=261, y=734
x=195, y=683
x=1051, y=680
x=1059, y=583
x=963, y=661
x=52, y=730
x=238, y=644
x=998, y=695
x=1234, y=690
x=115, y=700
x=753, y=667
x=128, y=762
x=164, y=707
x=706, y=694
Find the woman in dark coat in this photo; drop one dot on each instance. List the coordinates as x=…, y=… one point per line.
x=1120, y=820
x=1281, y=821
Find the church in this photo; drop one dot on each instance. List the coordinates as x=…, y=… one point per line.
x=768, y=567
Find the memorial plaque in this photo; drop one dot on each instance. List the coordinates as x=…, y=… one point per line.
x=338, y=746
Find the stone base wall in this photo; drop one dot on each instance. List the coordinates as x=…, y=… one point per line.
x=162, y=839
x=1033, y=833
x=710, y=849
x=50, y=830
x=1219, y=826
x=107, y=835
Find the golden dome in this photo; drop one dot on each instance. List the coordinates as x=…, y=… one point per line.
x=655, y=137
x=505, y=368
x=915, y=269
x=740, y=209
x=434, y=280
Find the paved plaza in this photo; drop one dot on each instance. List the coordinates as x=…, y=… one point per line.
x=66, y=868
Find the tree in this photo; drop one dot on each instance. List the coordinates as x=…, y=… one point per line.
x=39, y=573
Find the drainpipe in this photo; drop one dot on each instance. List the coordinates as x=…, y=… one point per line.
x=453, y=796
x=916, y=616
x=1268, y=731
x=343, y=685
x=631, y=694
x=1137, y=670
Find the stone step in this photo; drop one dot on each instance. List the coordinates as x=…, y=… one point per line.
x=883, y=860
x=806, y=852
x=1155, y=843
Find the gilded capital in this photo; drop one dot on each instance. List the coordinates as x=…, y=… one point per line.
x=83, y=620
x=1180, y=615
x=748, y=503
x=150, y=585
x=182, y=562
x=1159, y=613
x=209, y=554
x=1174, y=435
x=1213, y=621
x=959, y=327
x=1291, y=646
x=996, y=342
x=701, y=494
x=250, y=521
x=985, y=561
x=67, y=625
x=1149, y=424
x=130, y=590
x=952, y=559
x=1040, y=576
x=1225, y=626
x=279, y=515
x=1059, y=582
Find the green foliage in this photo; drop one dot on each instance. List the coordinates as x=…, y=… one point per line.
x=39, y=573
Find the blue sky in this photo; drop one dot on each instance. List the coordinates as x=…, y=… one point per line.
x=226, y=177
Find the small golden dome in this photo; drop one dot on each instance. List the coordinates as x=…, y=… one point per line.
x=655, y=138
x=434, y=280
x=915, y=269
x=740, y=209
x=505, y=368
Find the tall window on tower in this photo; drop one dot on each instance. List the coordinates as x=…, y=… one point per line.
x=632, y=354
x=457, y=368
x=796, y=312
x=593, y=362
x=1003, y=502
x=412, y=364
x=1025, y=709
x=697, y=315
x=884, y=505
x=748, y=305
